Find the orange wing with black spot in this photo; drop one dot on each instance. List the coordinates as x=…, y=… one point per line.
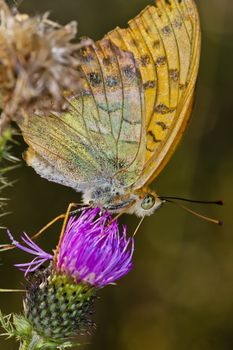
x=165, y=41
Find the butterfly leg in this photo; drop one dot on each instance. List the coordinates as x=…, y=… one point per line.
x=138, y=226
x=66, y=217
x=4, y=247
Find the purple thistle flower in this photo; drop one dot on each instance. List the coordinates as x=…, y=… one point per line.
x=92, y=249
x=59, y=299
x=31, y=248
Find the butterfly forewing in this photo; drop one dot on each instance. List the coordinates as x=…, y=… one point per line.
x=165, y=40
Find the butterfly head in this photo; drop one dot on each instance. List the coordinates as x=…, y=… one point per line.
x=143, y=202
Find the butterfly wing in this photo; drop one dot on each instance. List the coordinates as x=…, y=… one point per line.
x=101, y=130
x=165, y=40
x=138, y=86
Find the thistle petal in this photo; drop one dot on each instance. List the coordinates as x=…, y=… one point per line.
x=32, y=248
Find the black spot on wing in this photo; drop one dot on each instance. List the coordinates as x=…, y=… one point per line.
x=150, y=84
x=152, y=135
x=129, y=71
x=131, y=122
x=163, y=109
x=160, y=61
x=112, y=81
x=174, y=74
x=145, y=60
x=94, y=78
x=166, y=30
x=162, y=124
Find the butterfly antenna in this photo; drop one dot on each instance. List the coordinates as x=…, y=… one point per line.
x=218, y=202
x=206, y=218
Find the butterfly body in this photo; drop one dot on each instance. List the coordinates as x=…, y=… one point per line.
x=115, y=136
x=116, y=199
x=104, y=192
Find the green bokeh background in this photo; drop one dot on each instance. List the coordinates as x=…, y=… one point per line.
x=179, y=295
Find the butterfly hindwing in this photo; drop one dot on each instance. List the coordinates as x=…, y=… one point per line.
x=100, y=131
x=120, y=105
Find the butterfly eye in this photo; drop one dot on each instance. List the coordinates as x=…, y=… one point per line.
x=148, y=202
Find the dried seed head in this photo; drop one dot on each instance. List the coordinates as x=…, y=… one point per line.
x=38, y=62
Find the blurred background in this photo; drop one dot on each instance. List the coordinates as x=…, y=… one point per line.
x=179, y=295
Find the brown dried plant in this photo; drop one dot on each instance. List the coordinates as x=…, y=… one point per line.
x=38, y=62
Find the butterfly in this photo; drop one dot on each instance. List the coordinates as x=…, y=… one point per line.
x=119, y=131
